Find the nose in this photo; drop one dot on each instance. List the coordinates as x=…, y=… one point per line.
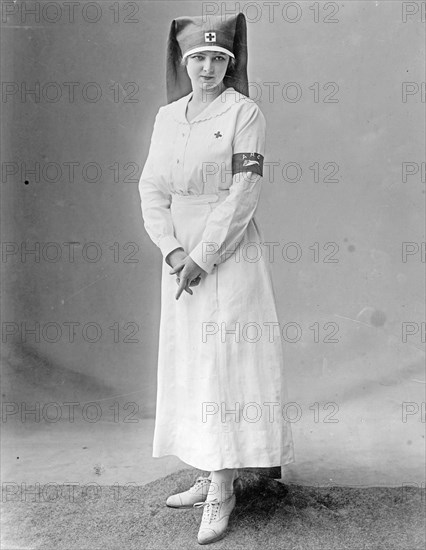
x=207, y=64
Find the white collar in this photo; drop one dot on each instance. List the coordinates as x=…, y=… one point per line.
x=218, y=106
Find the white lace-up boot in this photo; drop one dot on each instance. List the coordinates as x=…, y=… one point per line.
x=215, y=519
x=197, y=493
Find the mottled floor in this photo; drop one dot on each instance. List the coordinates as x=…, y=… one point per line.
x=268, y=515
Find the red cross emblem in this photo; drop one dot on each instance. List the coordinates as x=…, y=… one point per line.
x=210, y=36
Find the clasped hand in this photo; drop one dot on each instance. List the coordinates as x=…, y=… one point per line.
x=189, y=273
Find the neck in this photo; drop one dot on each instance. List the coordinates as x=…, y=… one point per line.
x=207, y=96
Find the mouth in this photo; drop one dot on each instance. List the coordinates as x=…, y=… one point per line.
x=207, y=77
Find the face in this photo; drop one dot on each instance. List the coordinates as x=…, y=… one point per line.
x=207, y=69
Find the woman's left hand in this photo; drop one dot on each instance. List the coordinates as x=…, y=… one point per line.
x=189, y=275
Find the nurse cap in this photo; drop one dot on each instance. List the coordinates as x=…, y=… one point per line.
x=189, y=35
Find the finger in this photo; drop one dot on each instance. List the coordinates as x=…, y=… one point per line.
x=177, y=268
x=196, y=280
x=183, y=285
x=187, y=289
x=180, y=290
x=178, y=282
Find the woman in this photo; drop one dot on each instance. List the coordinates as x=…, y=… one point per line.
x=220, y=389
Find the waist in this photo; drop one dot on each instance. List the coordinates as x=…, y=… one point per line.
x=221, y=195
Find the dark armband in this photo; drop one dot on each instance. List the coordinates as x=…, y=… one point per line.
x=247, y=162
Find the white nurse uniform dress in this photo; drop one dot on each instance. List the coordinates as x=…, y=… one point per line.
x=220, y=389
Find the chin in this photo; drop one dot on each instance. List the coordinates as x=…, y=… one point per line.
x=212, y=84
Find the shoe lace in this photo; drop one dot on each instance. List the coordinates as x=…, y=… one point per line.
x=211, y=510
x=200, y=482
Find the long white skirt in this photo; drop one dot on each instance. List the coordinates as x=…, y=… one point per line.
x=221, y=388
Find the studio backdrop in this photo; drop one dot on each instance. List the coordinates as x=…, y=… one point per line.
x=341, y=85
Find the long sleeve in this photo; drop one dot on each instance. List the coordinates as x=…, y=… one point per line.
x=155, y=198
x=228, y=221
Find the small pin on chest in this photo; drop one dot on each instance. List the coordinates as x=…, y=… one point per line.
x=217, y=135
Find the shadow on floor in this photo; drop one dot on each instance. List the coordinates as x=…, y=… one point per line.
x=268, y=515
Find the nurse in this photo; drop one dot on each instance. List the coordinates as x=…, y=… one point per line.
x=220, y=367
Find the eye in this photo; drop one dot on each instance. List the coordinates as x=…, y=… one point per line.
x=220, y=58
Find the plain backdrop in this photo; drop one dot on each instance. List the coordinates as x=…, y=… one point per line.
x=330, y=83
